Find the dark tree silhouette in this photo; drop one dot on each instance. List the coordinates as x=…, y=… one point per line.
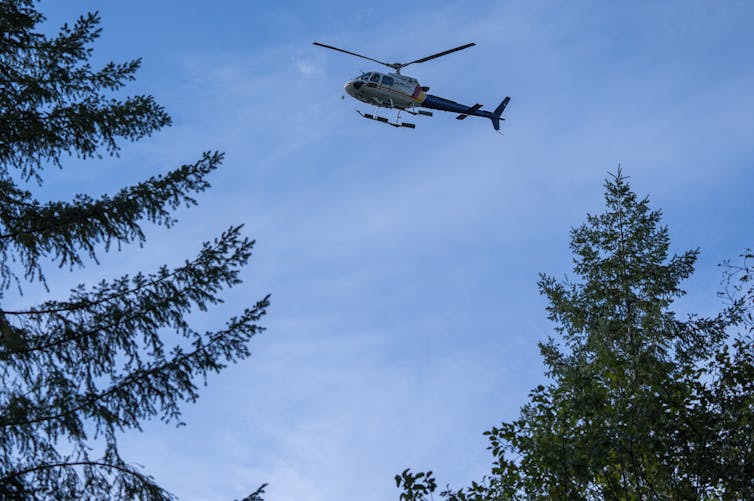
x=77, y=372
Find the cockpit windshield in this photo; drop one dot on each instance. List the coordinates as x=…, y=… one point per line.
x=364, y=77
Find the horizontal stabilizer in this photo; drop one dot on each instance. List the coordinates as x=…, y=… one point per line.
x=469, y=111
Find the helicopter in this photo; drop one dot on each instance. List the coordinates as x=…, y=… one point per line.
x=401, y=92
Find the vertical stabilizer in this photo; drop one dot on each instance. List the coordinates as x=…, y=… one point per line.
x=498, y=112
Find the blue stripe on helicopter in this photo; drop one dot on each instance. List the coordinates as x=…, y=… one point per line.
x=440, y=103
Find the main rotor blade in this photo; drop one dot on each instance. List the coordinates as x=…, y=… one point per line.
x=439, y=54
x=351, y=53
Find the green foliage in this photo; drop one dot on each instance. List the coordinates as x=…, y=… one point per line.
x=78, y=372
x=640, y=404
x=416, y=486
x=724, y=410
x=53, y=102
x=256, y=495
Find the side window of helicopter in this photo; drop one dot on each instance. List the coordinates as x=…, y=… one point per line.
x=375, y=77
x=386, y=80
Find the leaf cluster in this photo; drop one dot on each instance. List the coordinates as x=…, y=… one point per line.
x=415, y=486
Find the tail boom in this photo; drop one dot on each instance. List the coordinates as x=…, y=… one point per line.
x=442, y=104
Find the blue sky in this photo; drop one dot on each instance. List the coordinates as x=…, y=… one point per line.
x=403, y=263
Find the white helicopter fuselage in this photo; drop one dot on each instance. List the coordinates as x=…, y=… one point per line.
x=393, y=90
x=389, y=90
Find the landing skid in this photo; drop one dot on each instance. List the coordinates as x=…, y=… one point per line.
x=384, y=120
x=419, y=112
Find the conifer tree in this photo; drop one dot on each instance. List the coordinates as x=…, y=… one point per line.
x=614, y=422
x=77, y=372
x=636, y=405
